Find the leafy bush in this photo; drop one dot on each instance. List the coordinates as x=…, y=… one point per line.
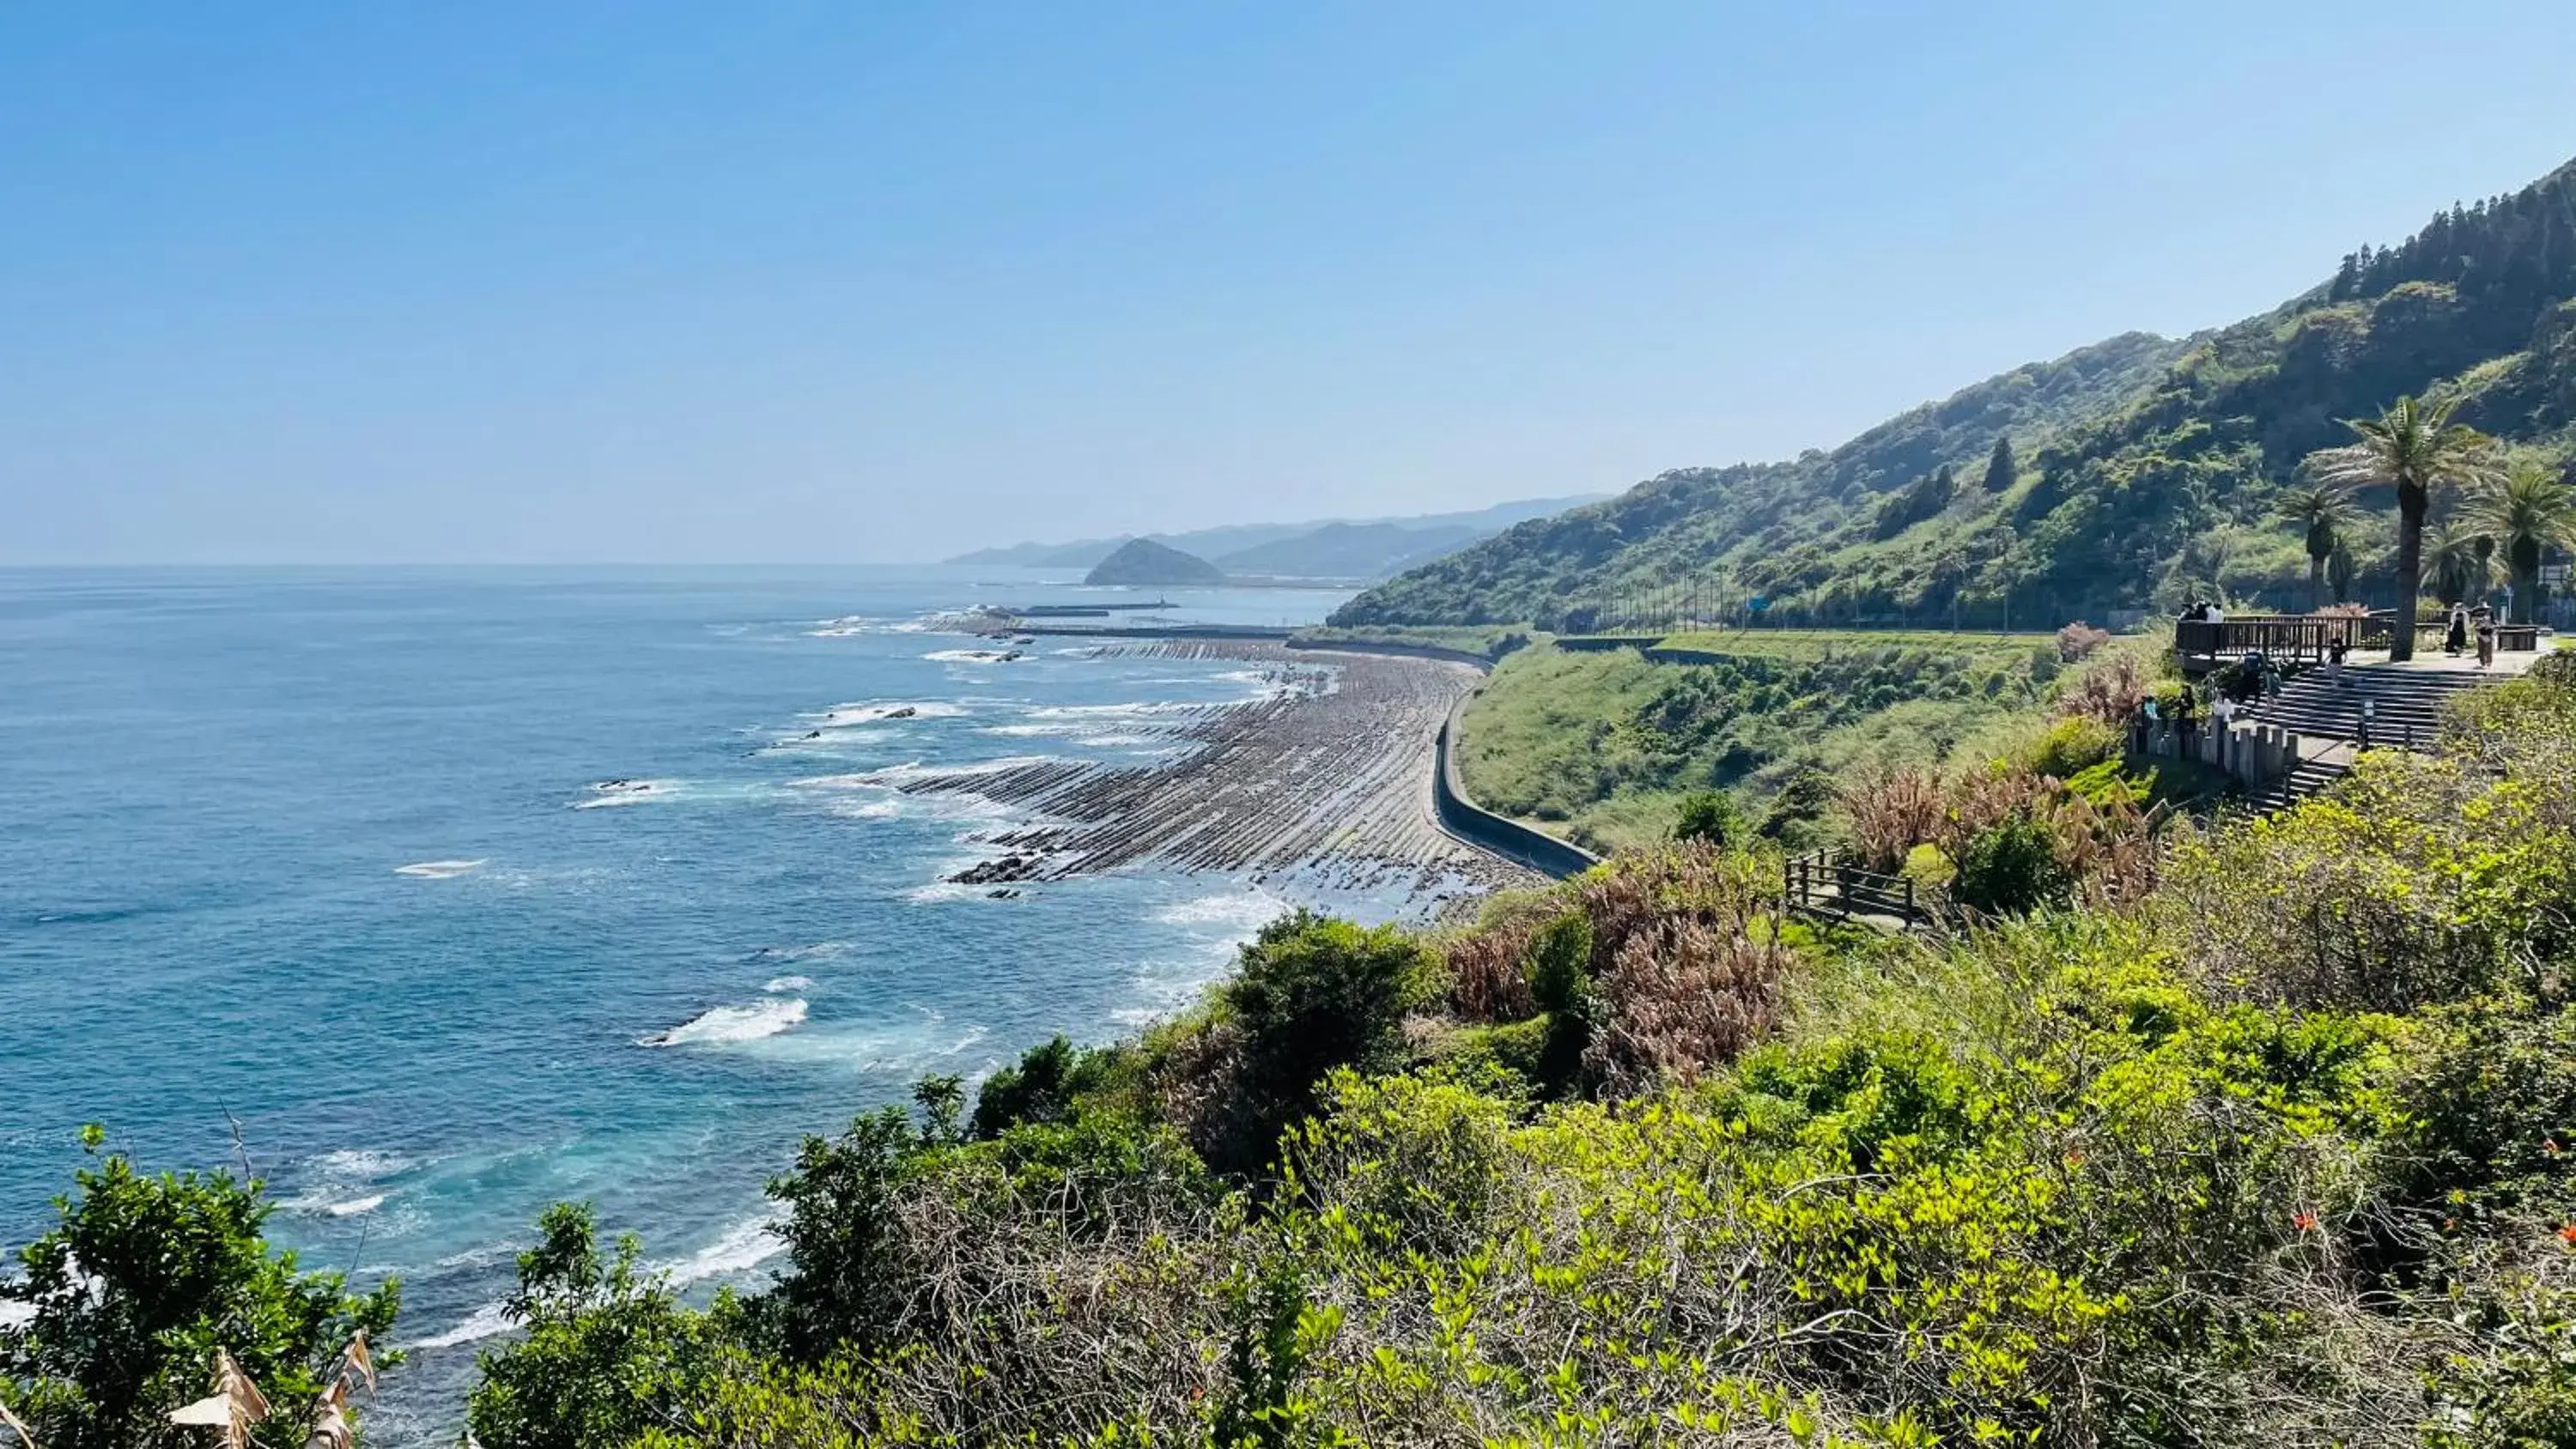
x=2011, y=868
x=1710, y=816
x=609, y=1351
x=2071, y=745
x=139, y=1284
x=1312, y=994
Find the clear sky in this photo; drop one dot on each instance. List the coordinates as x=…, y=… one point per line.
x=743, y=282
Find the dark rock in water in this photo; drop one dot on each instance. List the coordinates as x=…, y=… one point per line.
x=906, y=712
x=1006, y=893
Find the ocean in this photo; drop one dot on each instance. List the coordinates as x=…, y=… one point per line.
x=466, y=892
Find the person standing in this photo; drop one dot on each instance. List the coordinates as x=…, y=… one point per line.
x=2457, y=637
x=2334, y=663
x=2486, y=627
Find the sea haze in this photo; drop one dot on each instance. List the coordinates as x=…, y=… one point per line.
x=466, y=893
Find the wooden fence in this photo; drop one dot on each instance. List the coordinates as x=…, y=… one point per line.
x=1820, y=886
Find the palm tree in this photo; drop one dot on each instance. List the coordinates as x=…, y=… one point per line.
x=2530, y=510
x=2321, y=510
x=2452, y=562
x=2415, y=447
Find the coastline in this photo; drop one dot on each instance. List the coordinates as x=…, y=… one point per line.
x=1331, y=778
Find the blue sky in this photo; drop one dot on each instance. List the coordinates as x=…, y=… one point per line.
x=842, y=282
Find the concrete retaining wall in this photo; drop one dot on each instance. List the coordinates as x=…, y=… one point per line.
x=1488, y=831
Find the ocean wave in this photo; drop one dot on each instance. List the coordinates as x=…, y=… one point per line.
x=842, y=716
x=1245, y=911
x=917, y=770
x=723, y=1025
x=489, y=1321
x=626, y=792
x=744, y=1246
x=777, y=984
x=345, y=1183
x=439, y=869
x=976, y=656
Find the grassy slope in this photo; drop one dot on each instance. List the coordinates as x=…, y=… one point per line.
x=1576, y=743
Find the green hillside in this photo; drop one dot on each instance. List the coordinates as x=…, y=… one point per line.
x=2136, y=470
x=1601, y=747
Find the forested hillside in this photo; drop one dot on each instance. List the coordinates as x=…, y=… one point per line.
x=2130, y=473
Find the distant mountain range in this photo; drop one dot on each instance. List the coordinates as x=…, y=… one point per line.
x=2124, y=476
x=1323, y=549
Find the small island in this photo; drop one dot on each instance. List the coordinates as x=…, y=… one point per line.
x=1143, y=561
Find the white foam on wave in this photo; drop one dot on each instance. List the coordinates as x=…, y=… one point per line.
x=439, y=869
x=626, y=792
x=741, y=1248
x=345, y=1183
x=1240, y=912
x=724, y=1025
x=859, y=712
x=14, y=1313
x=489, y=1321
x=917, y=770
x=777, y=984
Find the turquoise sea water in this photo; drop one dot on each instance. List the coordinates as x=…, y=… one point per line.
x=328, y=853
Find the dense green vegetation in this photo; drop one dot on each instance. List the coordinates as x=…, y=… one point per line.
x=2246, y=1134
x=147, y=1290
x=2268, y=1152
x=1602, y=747
x=2143, y=472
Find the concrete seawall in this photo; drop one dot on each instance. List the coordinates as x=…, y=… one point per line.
x=1460, y=816
x=1488, y=831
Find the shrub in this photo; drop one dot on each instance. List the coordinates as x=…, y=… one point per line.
x=609, y=1351
x=2078, y=641
x=138, y=1284
x=2070, y=746
x=1311, y=994
x=1710, y=816
x=2011, y=868
x=1889, y=813
x=2110, y=690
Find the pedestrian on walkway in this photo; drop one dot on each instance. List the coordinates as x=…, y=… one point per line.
x=2486, y=636
x=2334, y=663
x=2457, y=638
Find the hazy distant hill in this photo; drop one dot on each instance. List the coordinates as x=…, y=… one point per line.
x=1439, y=533
x=1143, y=561
x=2138, y=469
x=1352, y=550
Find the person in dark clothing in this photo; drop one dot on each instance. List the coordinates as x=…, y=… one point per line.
x=2456, y=638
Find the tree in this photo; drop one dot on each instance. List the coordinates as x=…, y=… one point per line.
x=2319, y=510
x=2339, y=571
x=140, y=1285
x=2528, y=511
x=2001, y=468
x=2415, y=448
x=610, y=1350
x=2452, y=561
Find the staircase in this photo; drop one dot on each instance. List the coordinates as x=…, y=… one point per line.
x=2406, y=704
x=2306, y=778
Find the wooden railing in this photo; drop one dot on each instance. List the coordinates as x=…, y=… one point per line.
x=1821, y=886
x=2287, y=638
x=2303, y=638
